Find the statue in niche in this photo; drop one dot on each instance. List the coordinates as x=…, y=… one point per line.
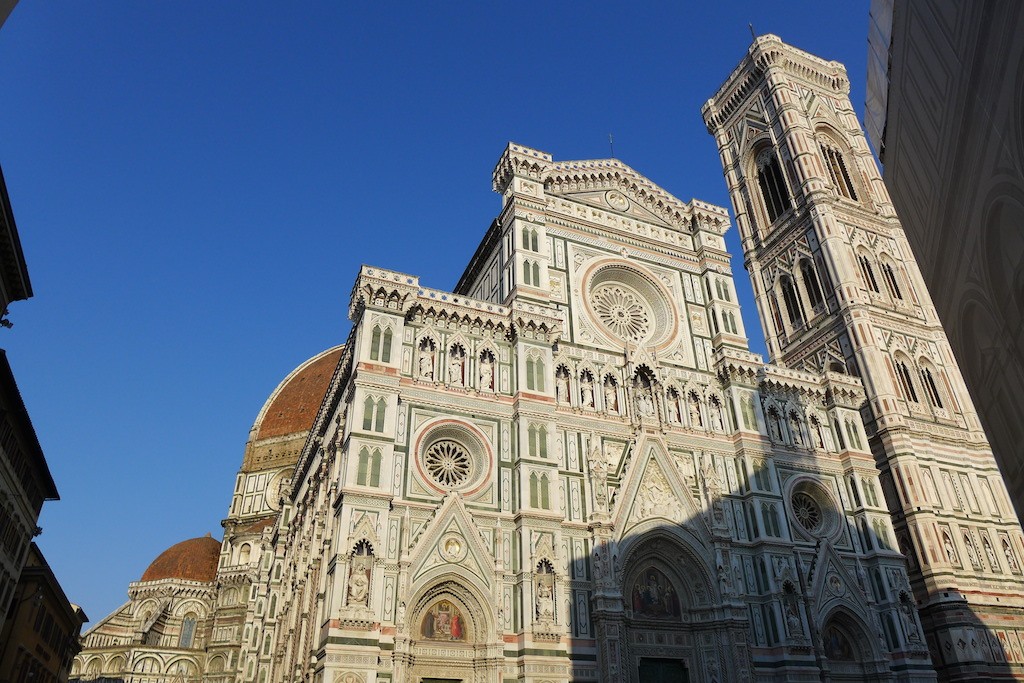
x=717, y=423
x=359, y=575
x=562, y=386
x=794, y=429
x=426, y=362
x=456, y=359
x=1011, y=560
x=947, y=543
x=775, y=425
x=972, y=553
x=545, y=601
x=486, y=372
x=611, y=397
x=598, y=476
x=644, y=402
x=675, y=414
x=714, y=488
x=793, y=621
x=992, y=561
x=695, y=418
x=587, y=391
x=907, y=617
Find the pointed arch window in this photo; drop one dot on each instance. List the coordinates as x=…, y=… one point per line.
x=790, y=299
x=538, y=439
x=773, y=187
x=530, y=239
x=373, y=414
x=931, y=390
x=188, y=631
x=380, y=344
x=868, y=271
x=539, y=496
x=891, y=283
x=368, y=473
x=836, y=166
x=811, y=285
x=534, y=373
x=906, y=381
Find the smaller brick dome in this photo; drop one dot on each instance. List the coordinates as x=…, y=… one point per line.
x=191, y=560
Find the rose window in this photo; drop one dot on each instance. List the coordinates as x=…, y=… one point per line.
x=622, y=311
x=806, y=510
x=448, y=463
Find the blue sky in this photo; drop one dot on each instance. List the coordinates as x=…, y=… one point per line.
x=196, y=184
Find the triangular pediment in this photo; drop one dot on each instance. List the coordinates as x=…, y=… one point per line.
x=655, y=490
x=451, y=538
x=612, y=186
x=831, y=582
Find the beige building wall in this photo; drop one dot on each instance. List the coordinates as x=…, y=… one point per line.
x=944, y=112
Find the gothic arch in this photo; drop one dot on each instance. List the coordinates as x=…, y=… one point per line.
x=480, y=624
x=852, y=652
x=677, y=553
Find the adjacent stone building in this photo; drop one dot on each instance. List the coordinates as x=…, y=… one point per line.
x=572, y=468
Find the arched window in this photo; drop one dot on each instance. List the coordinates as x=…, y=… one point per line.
x=534, y=373
x=530, y=239
x=534, y=498
x=773, y=188
x=378, y=418
x=891, y=283
x=931, y=390
x=527, y=273
x=188, y=631
x=836, y=166
x=868, y=271
x=770, y=513
x=544, y=502
x=808, y=273
x=906, y=381
x=380, y=344
x=373, y=414
x=538, y=438
x=368, y=469
x=791, y=301
x=244, y=553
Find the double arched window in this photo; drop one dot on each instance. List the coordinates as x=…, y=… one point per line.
x=789, y=297
x=890, y=278
x=534, y=372
x=380, y=344
x=530, y=239
x=906, y=380
x=837, y=171
x=373, y=414
x=539, y=495
x=531, y=273
x=773, y=187
x=868, y=271
x=368, y=472
x=811, y=285
x=931, y=389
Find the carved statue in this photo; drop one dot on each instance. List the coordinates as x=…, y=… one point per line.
x=587, y=393
x=358, y=587
x=400, y=617
x=793, y=622
x=794, y=429
x=694, y=405
x=909, y=624
x=562, y=388
x=486, y=373
x=716, y=416
x=992, y=561
x=1010, y=559
x=455, y=369
x=951, y=552
x=644, y=404
x=611, y=400
x=426, y=364
x=972, y=554
x=545, y=603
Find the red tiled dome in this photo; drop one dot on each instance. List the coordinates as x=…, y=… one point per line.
x=192, y=560
x=294, y=404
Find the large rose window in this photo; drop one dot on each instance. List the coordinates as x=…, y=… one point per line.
x=622, y=311
x=629, y=304
x=447, y=463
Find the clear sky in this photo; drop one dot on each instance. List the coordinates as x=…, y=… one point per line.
x=196, y=184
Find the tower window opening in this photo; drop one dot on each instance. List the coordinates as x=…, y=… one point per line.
x=931, y=390
x=836, y=166
x=791, y=301
x=807, y=272
x=906, y=381
x=869, y=273
x=890, y=281
x=773, y=187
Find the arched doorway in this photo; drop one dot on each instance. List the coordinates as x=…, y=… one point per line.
x=849, y=655
x=669, y=611
x=450, y=636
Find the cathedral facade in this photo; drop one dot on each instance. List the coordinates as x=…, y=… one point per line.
x=572, y=468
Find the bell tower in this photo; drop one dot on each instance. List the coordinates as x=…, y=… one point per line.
x=838, y=290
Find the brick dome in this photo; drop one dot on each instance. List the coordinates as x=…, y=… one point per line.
x=192, y=560
x=294, y=404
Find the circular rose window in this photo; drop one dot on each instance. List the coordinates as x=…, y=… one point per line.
x=622, y=311
x=807, y=511
x=629, y=304
x=447, y=463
